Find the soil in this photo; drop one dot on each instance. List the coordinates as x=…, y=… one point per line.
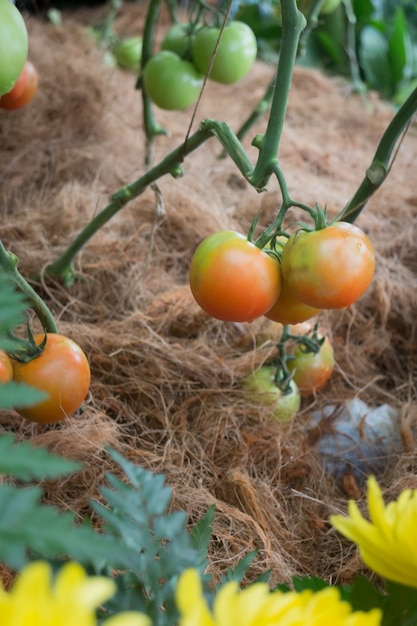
x=166, y=379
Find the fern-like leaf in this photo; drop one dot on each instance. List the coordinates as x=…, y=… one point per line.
x=26, y=462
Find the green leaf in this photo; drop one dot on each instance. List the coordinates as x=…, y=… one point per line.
x=373, y=58
x=158, y=542
x=201, y=534
x=400, y=605
x=314, y=583
x=29, y=529
x=363, y=10
x=12, y=309
x=362, y=595
x=26, y=462
x=398, y=45
x=238, y=572
x=15, y=394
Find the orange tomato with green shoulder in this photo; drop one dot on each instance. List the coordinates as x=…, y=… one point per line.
x=62, y=371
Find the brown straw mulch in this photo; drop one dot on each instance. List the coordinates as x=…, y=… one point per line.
x=166, y=378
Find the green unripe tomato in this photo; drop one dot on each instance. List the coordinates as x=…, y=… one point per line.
x=235, y=55
x=177, y=39
x=170, y=82
x=260, y=387
x=329, y=6
x=128, y=53
x=13, y=45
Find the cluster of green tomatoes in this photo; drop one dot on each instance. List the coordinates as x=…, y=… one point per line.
x=173, y=77
x=18, y=76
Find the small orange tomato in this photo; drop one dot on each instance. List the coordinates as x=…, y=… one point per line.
x=23, y=91
x=233, y=280
x=62, y=371
x=329, y=268
x=312, y=371
x=288, y=310
x=6, y=368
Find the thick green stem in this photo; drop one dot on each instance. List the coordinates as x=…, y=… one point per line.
x=380, y=166
x=293, y=23
x=8, y=266
x=171, y=164
x=260, y=109
x=151, y=126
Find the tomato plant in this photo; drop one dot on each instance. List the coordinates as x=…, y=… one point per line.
x=62, y=371
x=312, y=370
x=13, y=45
x=24, y=90
x=128, y=53
x=235, y=55
x=177, y=39
x=261, y=387
x=329, y=268
x=232, y=279
x=170, y=82
x=6, y=368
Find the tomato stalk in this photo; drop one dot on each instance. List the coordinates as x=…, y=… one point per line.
x=8, y=266
x=151, y=126
x=381, y=162
x=171, y=164
x=293, y=23
x=283, y=374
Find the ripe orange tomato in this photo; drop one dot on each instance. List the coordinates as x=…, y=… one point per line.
x=329, y=268
x=6, y=368
x=288, y=310
x=233, y=280
x=62, y=371
x=312, y=371
x=24, y=90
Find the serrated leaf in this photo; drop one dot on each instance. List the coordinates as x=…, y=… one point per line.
x=201, y=534
x=399, y=605
x=314, y=583
x=362, y=595
x=25, y=462
x=158, y=542
x=15, y=394
x=28, y=528
x=238, y=572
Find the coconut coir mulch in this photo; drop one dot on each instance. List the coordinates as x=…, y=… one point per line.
x=165, y=377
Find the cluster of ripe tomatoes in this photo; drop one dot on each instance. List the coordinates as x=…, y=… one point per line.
x=290, y=281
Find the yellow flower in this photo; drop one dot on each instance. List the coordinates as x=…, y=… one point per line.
x=258, y=606
x=71, y=599
x=387, y=543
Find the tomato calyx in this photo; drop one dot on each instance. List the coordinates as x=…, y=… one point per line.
x=26, y=349
x=309, y=343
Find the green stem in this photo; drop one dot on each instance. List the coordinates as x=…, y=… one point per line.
x=8, y=264
x=171, y=164
x=380, y=166
x=293, y=22
x=151, y=126
x=260, y=109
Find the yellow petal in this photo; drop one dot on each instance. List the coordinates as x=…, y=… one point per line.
x=72, y=583
x=128, y=618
